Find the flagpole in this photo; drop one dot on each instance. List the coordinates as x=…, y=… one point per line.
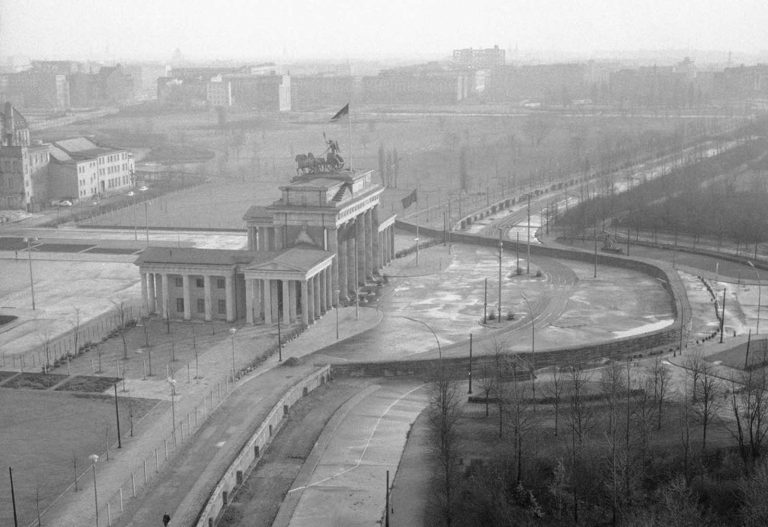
x=349, y=122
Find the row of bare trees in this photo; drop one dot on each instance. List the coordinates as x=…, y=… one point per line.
x=622, y=445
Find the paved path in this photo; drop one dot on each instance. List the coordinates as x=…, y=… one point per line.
x=256, y=391
x=347, y=481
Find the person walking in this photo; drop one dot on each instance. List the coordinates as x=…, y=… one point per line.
x=166, y=519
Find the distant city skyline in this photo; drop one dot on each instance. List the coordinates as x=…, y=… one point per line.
x=350, y=29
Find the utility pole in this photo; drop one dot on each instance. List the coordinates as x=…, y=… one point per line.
x=470, y=364
x=722, y=318
x=501, y=249
x=528, y=262
x=485, y=303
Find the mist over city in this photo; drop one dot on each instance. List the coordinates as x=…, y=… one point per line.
x=408, y=264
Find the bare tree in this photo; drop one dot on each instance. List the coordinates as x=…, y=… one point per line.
x=487, y=384
x=612, y=385
x=750, y=411
x=537, y=127
x=754, y=510
x=443, y=415
x=554, y=390
x=122, y=316
x=76, y=331
x=660, y=379
x=708, y=400
x=580, y=420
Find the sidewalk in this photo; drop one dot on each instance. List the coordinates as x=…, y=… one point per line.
x=78, y=509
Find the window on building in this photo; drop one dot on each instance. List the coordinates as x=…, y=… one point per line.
x=220, y=283
x=200, y=305
x=222, y=307
x=180, y=305
x=199, y=283
x=179, y=281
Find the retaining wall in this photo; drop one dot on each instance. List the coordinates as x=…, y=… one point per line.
x=253, y=449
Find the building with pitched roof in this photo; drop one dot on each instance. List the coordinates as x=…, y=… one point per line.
x=324, y=238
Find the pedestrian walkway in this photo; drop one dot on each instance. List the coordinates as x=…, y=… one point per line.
x=199, y=398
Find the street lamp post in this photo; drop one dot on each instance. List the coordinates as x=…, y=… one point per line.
x=232, y=332
x=94, y=459
x=132, y=194
x=439, y=349
x=501, y=252
x=31, y=279
x=759, y=292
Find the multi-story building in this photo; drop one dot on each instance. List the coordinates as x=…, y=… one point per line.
x=33, y=173
x=38, y=89
x=320, y=91
x=270, y=93
x=113, y=167
x=479, y=58
x=424, y=84
x=548, y=83
x=23, y=165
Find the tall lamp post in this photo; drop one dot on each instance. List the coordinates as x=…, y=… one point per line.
x=31, y=279
x=132, y=194
x=232, y=332
x=439, y=349
x=94, y=459
x=759, y=292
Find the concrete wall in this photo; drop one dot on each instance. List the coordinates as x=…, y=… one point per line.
x=254, y=448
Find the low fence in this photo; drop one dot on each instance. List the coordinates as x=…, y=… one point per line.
x=55, y=351
x=238, y=470
x=143, y=471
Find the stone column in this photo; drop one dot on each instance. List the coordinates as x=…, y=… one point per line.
x=312, y=298
x=292, y=292
x=376, y=249
x=277, y=236
x=304, y=303
x=268, y=302
x=328, y=288
x=351, y=264
x=370, y=266
x=186, y=295
x=207, y=295
x=333, y=246
x=249, y=301
x=391, y=242
x=229, y=291
x=164, y=282
x=360, y=244
x=151, y=292
x=258, y=296
x=286, y=302
x=144, y=295
x=316, y=296
x=343, y=265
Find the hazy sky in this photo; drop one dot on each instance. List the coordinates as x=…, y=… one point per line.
x=290, y=29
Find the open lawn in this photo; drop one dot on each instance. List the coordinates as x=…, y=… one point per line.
x=255, y=154
x=43, y=435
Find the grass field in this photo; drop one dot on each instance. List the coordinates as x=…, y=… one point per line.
x=43, y=433
x=253, y=160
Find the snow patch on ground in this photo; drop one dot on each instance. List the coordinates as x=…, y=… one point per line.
x=644, y=329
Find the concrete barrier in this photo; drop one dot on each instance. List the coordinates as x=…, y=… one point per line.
x=237, y=472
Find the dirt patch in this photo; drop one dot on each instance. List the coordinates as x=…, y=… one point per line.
x=35, y=381
x=82, y=383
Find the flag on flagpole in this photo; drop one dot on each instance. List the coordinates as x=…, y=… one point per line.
x=409, y=200
x=341, y=113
